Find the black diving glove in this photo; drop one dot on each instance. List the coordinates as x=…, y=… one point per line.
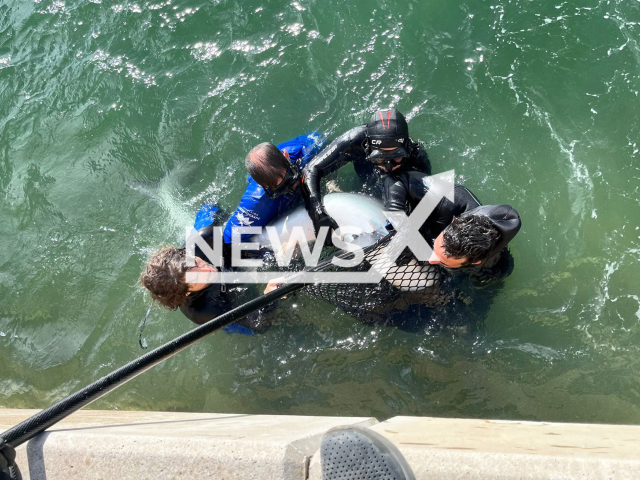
x=8, y=468
x=320, y=218
x=7, y=455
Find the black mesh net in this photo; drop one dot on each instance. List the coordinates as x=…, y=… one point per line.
x=406, y=282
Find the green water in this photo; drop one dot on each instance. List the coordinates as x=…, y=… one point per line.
x=118, y=120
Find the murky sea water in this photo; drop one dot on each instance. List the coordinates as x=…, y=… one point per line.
x=117, y=120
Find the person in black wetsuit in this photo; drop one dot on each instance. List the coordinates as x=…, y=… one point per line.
x=165, y=278
x=464, y=234
x=382, y=145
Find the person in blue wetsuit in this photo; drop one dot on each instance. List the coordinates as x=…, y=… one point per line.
x=275, y=176
x=274, y=180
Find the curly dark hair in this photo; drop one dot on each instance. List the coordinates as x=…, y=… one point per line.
x=472, y=237
x=164, y=277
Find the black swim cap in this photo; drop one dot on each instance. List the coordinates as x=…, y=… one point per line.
x=387, y=129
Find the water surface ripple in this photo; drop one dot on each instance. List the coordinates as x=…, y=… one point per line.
x=117, y=120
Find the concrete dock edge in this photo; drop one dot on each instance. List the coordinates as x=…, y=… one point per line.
x=93, y=444
x=449, y=449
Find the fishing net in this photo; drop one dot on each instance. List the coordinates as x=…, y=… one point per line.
x=406, y=282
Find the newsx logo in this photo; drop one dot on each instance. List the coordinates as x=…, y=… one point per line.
x=407, y=235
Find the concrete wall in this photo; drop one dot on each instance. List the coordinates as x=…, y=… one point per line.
x=96, y=444
x=448, y=449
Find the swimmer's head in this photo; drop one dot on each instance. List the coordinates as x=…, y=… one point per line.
x=468, y=240
x=165, y=276
x=272, y=169
x=387, y=140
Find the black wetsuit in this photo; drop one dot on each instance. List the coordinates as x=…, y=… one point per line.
x=349, y=147
x=206, y=304
x=402, y=192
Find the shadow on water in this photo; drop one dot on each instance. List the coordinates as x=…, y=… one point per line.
x=36, y=186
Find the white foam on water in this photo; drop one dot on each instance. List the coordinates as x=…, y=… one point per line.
x=579, y=182
x=166, y=192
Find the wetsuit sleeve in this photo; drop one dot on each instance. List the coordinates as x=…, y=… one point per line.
x=303, y=147
x=395, y=193
x=443, y=214
x=446, y=210
x=329, y=160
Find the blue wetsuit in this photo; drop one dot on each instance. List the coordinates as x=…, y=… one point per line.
x=256, y=209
